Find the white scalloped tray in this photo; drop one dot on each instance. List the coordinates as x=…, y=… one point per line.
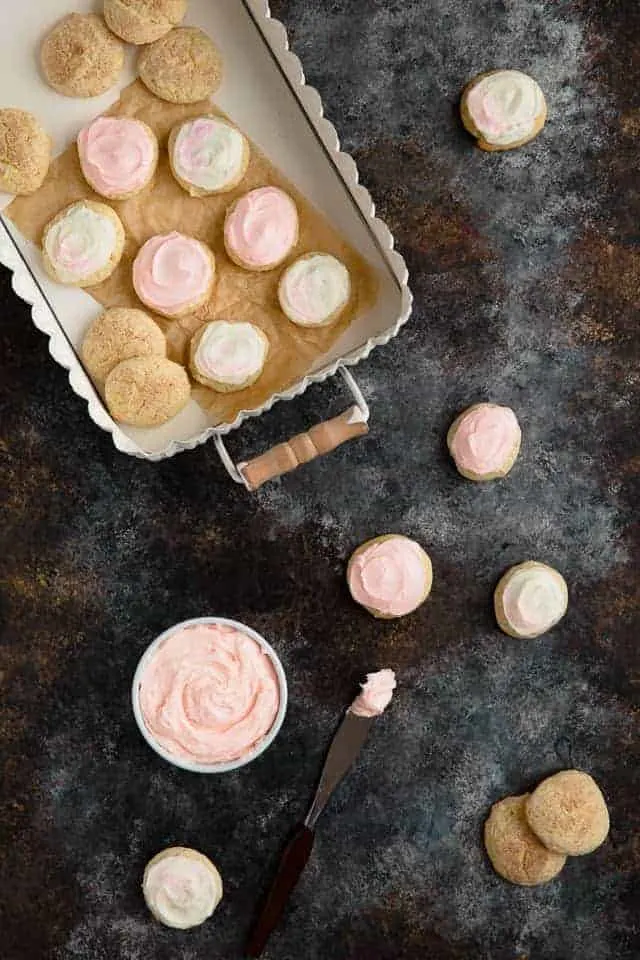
x=265, y=93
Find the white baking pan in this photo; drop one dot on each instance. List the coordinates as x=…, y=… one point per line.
x=265, y=93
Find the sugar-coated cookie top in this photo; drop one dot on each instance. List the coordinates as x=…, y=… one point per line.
x=505, y=106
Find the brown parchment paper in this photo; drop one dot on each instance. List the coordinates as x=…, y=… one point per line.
x=238, y=294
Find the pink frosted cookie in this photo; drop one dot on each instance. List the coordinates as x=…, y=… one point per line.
x=173, y=274
x=390, y=576
x=261, y=229
x=484, y=441
x=118, y=156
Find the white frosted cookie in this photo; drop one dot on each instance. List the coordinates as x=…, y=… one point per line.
x=228, y=356
x=83, y=244
x=314, y=290
x=181, y=887
x=530, y=599
x=208, y=155
x=503, y=109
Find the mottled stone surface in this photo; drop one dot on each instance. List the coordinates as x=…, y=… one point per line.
x=526, y=270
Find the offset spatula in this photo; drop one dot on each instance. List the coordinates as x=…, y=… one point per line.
x=345, y=747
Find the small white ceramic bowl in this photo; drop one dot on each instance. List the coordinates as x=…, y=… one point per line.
x=210, y=767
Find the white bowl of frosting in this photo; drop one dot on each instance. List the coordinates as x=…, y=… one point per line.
x=209, y=695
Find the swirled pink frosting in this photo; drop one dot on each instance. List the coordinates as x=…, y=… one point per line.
x=390, y=576
x=172, y=271
x=262, y=227
x=375, y=695
x=485, y=438
x=117, y=155
x=209, y=694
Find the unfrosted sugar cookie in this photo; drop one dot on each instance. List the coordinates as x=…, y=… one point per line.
x=503, y=109
x=261, y=229
x=119, y=334
x=208, y=155
x=484, y=441
x=390, y=576
x=314, y=290
x=118, y=156
x=174, y=274
x=228, y=356
x=147, y=391
x=182, y=67
x=80, y=57
x=143, y=21
x=181, y=887
x=568, y=813
x=530, y=599
x=83, y=244
x=513, y=848
x=25, y=152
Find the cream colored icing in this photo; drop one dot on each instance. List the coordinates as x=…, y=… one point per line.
x=117, y=155
x=534, y=599
x=262, y=227
x=81, y=243
x=375, y=695
x=209, y=694
x=209, y=153
x=314, y=288
x=390, y=576
x=231, y=353
x=484, y=438
x=505, y=106
x=172, y=271
x=181, y=891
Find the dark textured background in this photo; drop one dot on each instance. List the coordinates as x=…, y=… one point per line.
x=526, y=271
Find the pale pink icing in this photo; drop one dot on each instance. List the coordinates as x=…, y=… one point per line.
x=209, y=694
x=117, y=155
x=485, y=438
x=262, y=227
x=390, y=576
x=172, y=271
x=376, y=694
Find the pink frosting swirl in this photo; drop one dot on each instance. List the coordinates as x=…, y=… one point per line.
x=262, y=227
x=484, y=438
x=375, y=695
x=391, y=576
x=171, y=272
x=118, y=155
x=209, y=694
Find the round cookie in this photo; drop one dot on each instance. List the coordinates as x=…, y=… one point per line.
x=25, y=152
x=484, y=441
x=118, y=156
x=314, y=290
x=181, y=887
x=390, y=576
x=503, y=109
x=228, y=356
x=174, y=274
x=208, y=155
x=80, y=57
x=83, y=244
x=146, y=391
x=513, y=848
x=119, y=334
x=261, y=229
x=143, y=21
x=182, y=67
x=530, y=599
x=568, y=813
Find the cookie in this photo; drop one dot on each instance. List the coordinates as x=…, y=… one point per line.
x=119, y=334
x=83, y=244
x=118, y=156
x=390, y=576
x=25, y=152
x=228, y=356
x=314, y=290
x=513, y=848
x=568, y=813
x=146, y=391
x=143, y=21
x=503, y=109
x=530, y=599
x=484, y=441
x=208, y=155
x=261, y=229
x=181, y=887
x=182, y=67
x=80, y=57
x=174, y=274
